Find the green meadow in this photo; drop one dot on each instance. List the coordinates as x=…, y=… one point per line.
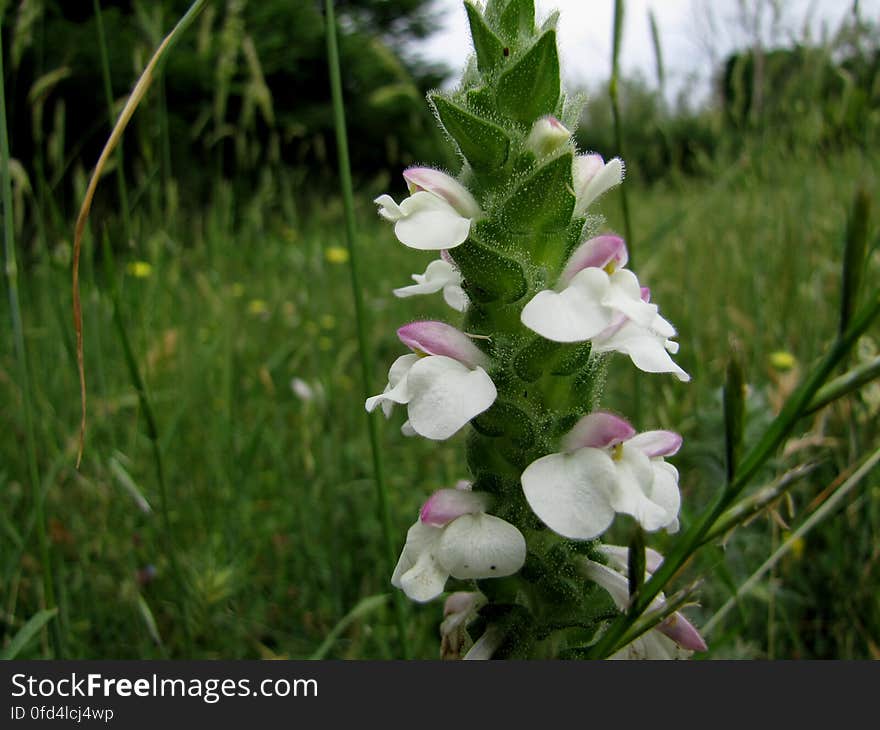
x=228, y=510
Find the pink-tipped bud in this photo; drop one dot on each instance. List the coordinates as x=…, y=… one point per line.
x=598, y=430
x=596, y=253
x=437, y=338
x=446, y=505
x=443, y=186
x=548, y=135
x=682, y=632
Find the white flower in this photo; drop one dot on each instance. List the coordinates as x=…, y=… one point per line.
x=597, y=294
x=673, y=638
x=440, y=275
x=455, y=537
x=603, y=302
x=605, y=468
x=305, y=392
x=438, y=213
x=592, y=178
x=443, y=385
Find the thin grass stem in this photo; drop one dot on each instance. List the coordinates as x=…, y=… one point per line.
x=817, y=517
x=24, y=375
x=360, y=313
x=11, y=270
x=121, y=184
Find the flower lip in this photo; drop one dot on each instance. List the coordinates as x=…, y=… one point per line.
x=438, y=338
x=444, y=186
x=598, y=430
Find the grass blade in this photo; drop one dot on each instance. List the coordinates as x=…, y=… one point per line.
x=365, y=606
x=360, y=314
x=27, y=632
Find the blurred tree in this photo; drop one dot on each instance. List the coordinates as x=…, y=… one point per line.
x=247, y=89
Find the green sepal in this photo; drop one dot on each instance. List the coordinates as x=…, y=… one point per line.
x=533, y=360
x=482, y=143
x=482, y=101
x=489, y=48
x=514, y=621
x=517, y=19
x=505, y=419
x=485, y=462
x=544, y=201
x=488, y=276
x=571, y=358
x=529, y=88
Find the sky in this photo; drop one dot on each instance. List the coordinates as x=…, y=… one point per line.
x=694, y=34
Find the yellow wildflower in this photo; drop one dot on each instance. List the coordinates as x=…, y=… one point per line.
x=257, y=307
x=782, y=360
x=336, y=255
x=139, y=269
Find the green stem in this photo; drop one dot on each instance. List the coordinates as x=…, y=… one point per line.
x=108, y=93
x=613, y=92
x=360, y=314
x=11, y=267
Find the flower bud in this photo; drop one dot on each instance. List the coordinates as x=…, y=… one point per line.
x=548, y=135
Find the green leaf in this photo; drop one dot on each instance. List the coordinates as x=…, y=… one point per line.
x=544, y=201
x=488, y=276
x=489, y=48
x=854, y=256
x=530, y=87
x=517, y=19
x=734, y=409
x=636, y=562
x=483, y=144
x=27, y=632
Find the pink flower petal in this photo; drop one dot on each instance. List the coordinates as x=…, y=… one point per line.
x=443, y=186
x=596, y=253
x=598, y=430
x=438, y=338
x=446, y=505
